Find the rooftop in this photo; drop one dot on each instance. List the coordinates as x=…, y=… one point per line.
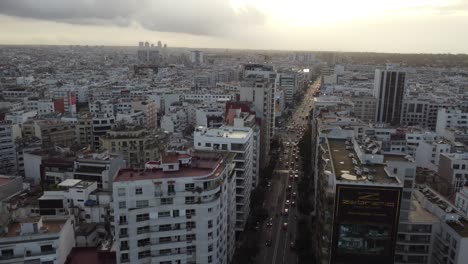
x=206, y=165
x=347, y=167
x=420, y=215
x=48, y=226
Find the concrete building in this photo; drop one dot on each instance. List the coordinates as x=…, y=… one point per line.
x=288, y=83
x=451, y=120
x=45, y=239
x=137, y=145
x=98, y=167
x=453, y=167
x=364, y=107
x=238, y=140
x=261, y=94
x=8, y=162
x=51, y=132
x=421, y=112
x=196, y=57
x=389, y=88
x=178, y=210
x=102, y=107
x=101, y=123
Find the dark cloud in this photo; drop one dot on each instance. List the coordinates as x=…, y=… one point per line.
x=197, y=17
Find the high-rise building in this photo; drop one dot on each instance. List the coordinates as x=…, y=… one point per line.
x=178, y=210
x=196, y=56
x=288, y=83
x=389, y=87
x=8, y=163
x=261, y=94
x=238, y=140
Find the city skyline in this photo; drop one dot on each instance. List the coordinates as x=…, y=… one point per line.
x=423, y=26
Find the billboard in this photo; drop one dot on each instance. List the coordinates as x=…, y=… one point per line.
x=365, y=224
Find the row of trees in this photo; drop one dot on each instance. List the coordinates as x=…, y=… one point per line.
x=304, y=241
x=250, y=241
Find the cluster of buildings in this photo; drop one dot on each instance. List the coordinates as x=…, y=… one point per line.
x=391, y=166
x=117, y=155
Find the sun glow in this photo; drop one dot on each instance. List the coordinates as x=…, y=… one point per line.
x=302, y=13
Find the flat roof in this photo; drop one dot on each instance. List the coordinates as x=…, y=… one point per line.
x=199, y=167
x=461, y=228
x=345, y=169
x=48, y=226
x=420, y=215
x=69, y=183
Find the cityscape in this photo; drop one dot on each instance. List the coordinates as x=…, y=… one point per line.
x=175, y=144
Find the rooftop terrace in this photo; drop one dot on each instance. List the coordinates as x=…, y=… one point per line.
x=348, y=168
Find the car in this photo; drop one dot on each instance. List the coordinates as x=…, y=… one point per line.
x=296, y=176
x=293, y=203
x=289, y=187
x=292, y=245
x=269, y=184
x=268, y=243
x=287, y=202
x=294, y=194
x=270, y=222
x=285, y=211
x=285, y=225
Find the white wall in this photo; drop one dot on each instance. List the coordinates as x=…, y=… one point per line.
x=32, y=167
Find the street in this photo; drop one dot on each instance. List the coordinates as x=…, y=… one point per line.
x=278, y=235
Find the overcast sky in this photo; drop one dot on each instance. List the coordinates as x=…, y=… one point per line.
x=421, y=26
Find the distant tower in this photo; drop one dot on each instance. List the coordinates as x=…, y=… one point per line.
x=147, y=44
x=159, y=44
x=389, y=87
x=196, y=56
x=140, y=44
x=165, y=45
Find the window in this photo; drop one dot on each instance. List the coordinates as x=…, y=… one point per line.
x=210, y=248
x=408, y=184
x=7, y=252
x=138, y=191
x=175, y=213
x=123, y=232
x=124, y=257
x=189, y=200
x=124, y=245
x=190, y=212
x=166, y=201
x=123, y=219
x=189, y=186
x=143, y=242
x=141, y=203
x=122, y=205
x=210, y=259
x=121, y=191
x=456, y=166
x=191, y=225
x=142, y=217
x=191, y=237
x=165, y=239
x=143, y=229
x=165, y=251
x=165, y=227
x=191, y=249
x=395, y=170
x=144, y=254
x=210, y=224
x=164, y=214
x=210, y=209
x=170, y=189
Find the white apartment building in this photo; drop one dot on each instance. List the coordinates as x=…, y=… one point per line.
x=261, y=94
x=102, y=107
x=45, y=240
x=98, y=167
x=450, y=119
x=178, y=210
x=461, y=200
x=428, y=153
x=450, y=235
x=421, y=112
x=453, y=167
x=40, y=106
x=238, y=140
x=288, y=83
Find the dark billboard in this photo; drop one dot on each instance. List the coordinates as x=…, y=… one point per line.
x=365, y=224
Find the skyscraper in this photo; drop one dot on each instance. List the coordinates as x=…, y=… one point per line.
x=389, y=87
